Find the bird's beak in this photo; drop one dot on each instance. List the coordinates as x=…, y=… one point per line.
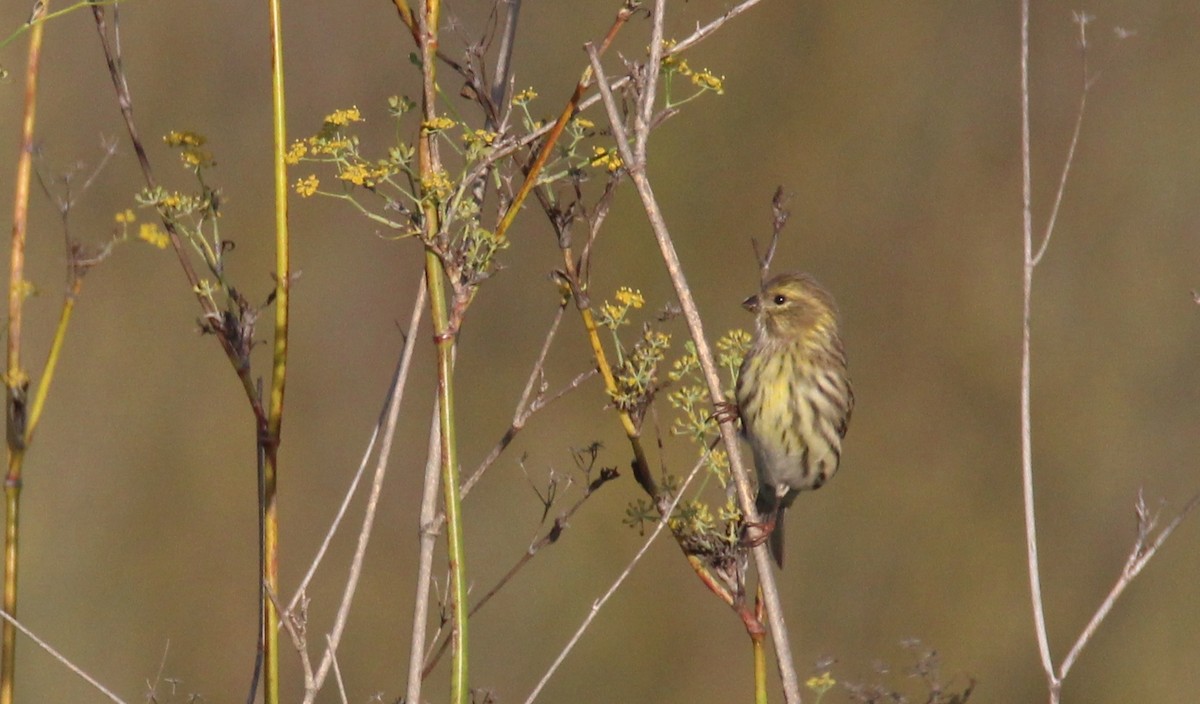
x=751, y=304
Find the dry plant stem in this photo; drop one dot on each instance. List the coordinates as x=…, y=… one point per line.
x=762, y=559
x=561, y=523
x=1035, y=579
x=504, y=57
x=16, y=382
x=599, y=603
x=524, y=408
x=571, y=108
x=112, y=55
x=399, y=381
x=1139, y=555
x=427, y=538
x=1085, y=87
x=1141, y=552
x=337, y=676
x=270, y=441
x=364, y=534
x=61, y=658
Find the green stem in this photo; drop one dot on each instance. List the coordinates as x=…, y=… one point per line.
x=444, y=335
x=274, y=422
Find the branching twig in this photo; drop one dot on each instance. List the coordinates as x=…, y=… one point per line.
x=599, y=603
x=364, y=535
x=1143, y=549
x=1085, y=87
x=399, y=377
x=704, y=355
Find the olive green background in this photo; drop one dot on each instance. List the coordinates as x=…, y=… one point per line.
x=895, y=129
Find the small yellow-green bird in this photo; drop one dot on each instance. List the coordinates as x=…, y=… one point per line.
x=793, y=394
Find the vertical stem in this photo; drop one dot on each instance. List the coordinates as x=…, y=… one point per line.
x=274, y=421
x=15, y=378
x=444, y=334
x=1035, y=580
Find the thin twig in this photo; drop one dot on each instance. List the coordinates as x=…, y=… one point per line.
x=1031, y=539
x=1139, y=555
x=61, y=658
x=427, y=536
x=504, y=58
x=523, y=410
x=364, y=535
x=551, y=536
x=1085, y=87
x=637, y=173
x=400, y=373
x=599, y=603
x=702, y=32
x=337, y=673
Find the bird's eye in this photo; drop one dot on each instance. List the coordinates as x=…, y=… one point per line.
x=779, y=299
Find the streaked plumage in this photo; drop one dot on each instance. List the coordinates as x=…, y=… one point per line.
x=793, y=394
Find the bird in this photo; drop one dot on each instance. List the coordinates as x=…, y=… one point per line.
x=793, y=395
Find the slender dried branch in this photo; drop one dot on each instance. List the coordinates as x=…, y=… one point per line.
x=399, y=380
x=599, y=603
x=508, y=42
x=557, y=528
x=61, y=658
x=1031, y=540
x=708, y=366
x=702, y=33
x=381, y=464
x=779, y=218
x=1143, y=549
x=428, y=535
x=1084, y=88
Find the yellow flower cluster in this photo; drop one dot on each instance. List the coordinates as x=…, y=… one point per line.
x=437, y=124
x=149, y=232
x=184, y=139
x=821, y=684
x=437, y=184
x=307, y=186
x=707, y=81
x=613, y=315
x=341, y=118
x=608, y=158
x=364, y=174
x=191, y=145
x=524, y=96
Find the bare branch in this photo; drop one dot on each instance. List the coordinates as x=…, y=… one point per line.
x=1143, y=549
x=428, y=534
x=368, y=522
x=637, y=173
x=62, y=659
x=1031, y=540
x=1085, y=86
x=401, y=371
x=599, y=603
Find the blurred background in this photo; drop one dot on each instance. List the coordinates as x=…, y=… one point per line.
x=895, y=130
